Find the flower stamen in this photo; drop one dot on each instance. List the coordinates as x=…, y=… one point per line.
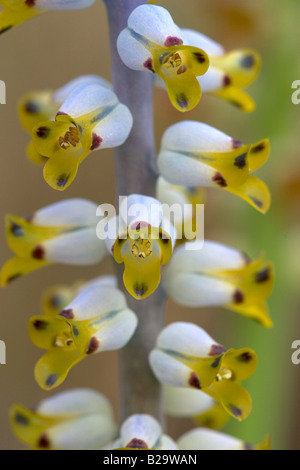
x=70, y=139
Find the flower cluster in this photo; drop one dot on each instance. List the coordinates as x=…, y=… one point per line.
x=200, y=377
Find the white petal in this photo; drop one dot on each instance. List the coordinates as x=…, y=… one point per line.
x=198, y=290
x=154, y=23
x=78, y=247
x=140, y=427
x=116, y=444
x=84, y=433
x=169, y=370
x=186, y=338
x=71, y=212
x=212, y=256
x=96, y=302
x=62, y=93
x=169, y=228
x=63, y=4
x=75, y=402
x=101, y=281
x=186, y=403
x=166, y=443
x=132, y=52
x=183, y=170
x=212, y=80
x=137, y=208
x=116, y=330
x=206, y=439
x=115, y=127
x=86, y=99
x=196, y=39
x=193, y=136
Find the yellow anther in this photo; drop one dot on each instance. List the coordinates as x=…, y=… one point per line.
x=64, y=340
x=70, y=139
x=224, y=374
x=141, y=248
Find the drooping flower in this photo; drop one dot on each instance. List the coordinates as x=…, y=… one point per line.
x=143, y=240
x=39, y=106
x=90, y=118
x=217, y=275
x=184, y=200
x=195, y=154
x=192, y=403
x=228, y=73
x=96, y=320
x=78, y=419
x=154, y=43
x=64, y=232
x=142, y=432
x=18, y=11
x=206, y=439
x=186, y=356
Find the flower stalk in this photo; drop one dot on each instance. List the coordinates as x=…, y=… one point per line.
x=135, y=173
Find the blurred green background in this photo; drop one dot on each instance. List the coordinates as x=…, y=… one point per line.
x=49, y=51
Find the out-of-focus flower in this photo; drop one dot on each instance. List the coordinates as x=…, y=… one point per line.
x=195, y=154
x=90, y=118
x=39, y=106
x=96, y=320
x=206, y=439
x=64, y=232
x=142, y=432
x=219, y=275
x=56, y=298
x=228, y=73
x=186, y=356
x=183, y=198
x=153, y=42
x=18, y=11
x=79, y=419
x=143, y=240
x=192, y=403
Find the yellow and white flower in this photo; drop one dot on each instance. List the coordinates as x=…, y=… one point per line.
x=143, y=240
x=96, y=320
x=217, y=275
x=196, y=154
x=153, y=42
x=18, y=11
x=79, y=419
x=89, y=119
x=186, y=356
x=64, y=232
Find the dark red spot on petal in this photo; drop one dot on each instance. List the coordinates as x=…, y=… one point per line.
x=240, y=161
x=216, y=362
x=44, y=442
x=93, y=345
x=148, y=64
x=258, y=148
x=263, y=275
x=173, y=41
x=219, y=179
x=236, y=143
x=194, y=381
x=38, y=252
x=237, y=412
x=51, y=379
x=21, y=419
x=62, y=180
x=216, y=350
x=247, y=62
x=68, y=313
x=238, y=297
x=61, y=113
x=140, y=289
x=96, y=141
x=31, y=108
x=137, y=444
x=226, y=80
x=201, y=58
x=16, y=230
x=40, y=325
x=245, y=357
x=43, y=132
x=182, y=101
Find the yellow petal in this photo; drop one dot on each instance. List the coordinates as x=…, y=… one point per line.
x=184, y=90
x=237, y=97
x=255, y=192
x=264, y=445
x=43, y=331
x=17, y=267
x=36, y=107
x=215, y=418
x=61, y=169
x=52, y=369
x=241, y=362
x=234, y=398
x=46, y=135
x=241, y=65
x=34, y=156
x=11, y=17
x=257, y=311
x=28, y=426
x=259, y=154
x=56, y=298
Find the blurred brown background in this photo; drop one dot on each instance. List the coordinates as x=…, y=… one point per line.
x=51, y=50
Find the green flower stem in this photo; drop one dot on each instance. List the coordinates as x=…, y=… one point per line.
x=140, y=392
